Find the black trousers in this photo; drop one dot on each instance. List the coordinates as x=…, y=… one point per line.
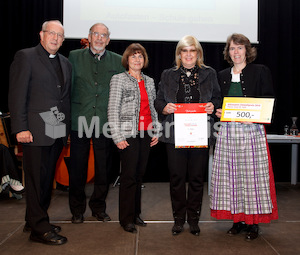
x=186, y=165
x=79, y=154
x=39, y=163
x=133, y=167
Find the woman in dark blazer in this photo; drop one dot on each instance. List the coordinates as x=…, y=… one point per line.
x=189, y=82
x=242, y=183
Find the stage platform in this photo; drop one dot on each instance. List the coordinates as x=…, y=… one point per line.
x=93, y=237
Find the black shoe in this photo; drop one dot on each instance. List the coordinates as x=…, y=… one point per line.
x=77, y=218
x=50, y=237
x=55, y=228
x=130, y=228
x=252, y=232
x=237, y=228
x=194, y=229
x=177, y=228
x=138, y=221
x=102, y=216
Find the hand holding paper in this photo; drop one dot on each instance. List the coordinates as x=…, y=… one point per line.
x=169, y=109
x=190, y=124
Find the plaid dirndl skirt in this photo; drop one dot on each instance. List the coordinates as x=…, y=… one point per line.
x=242, y=182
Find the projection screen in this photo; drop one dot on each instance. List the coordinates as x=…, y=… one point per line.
x=163, y=20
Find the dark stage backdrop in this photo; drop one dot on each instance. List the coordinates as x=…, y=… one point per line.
x=278, y=48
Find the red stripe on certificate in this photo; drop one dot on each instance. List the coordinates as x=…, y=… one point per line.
x=190, y=108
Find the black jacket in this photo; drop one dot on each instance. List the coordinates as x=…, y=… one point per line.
x=34, y=89
x=256, y=81
x=168, y=87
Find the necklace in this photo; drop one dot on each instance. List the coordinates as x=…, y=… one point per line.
x=236, y=71
x=241, y=67
x=140, y=78
x=188, y=72
x=189, y=78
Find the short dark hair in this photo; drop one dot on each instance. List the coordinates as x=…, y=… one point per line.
x=133, y=49
x=240, y=39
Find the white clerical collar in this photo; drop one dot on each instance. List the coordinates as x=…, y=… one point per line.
x=52, y=56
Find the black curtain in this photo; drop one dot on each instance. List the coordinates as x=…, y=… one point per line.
x=279, y=34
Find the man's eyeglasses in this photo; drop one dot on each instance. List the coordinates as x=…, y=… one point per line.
x=96, y=34
x=53, y=34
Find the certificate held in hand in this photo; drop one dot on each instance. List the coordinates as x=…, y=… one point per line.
x=247, y=109
x=190, y=126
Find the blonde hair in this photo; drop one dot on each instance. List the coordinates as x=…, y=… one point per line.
x=187, y=41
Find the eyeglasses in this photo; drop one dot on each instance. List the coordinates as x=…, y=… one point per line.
x=96, y=34
x=185, y=51
x=53, y=33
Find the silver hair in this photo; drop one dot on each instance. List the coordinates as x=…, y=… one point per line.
x=97, y=24
x=45, y=24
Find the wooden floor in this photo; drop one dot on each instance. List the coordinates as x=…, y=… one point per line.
x=93, y=237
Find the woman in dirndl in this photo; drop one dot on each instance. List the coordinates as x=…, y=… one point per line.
x=242, y=182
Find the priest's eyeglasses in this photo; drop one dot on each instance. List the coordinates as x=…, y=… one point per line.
x=53, y=34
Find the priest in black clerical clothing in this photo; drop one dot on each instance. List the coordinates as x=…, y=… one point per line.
x=40, y=81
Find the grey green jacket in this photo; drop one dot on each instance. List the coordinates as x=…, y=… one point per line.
x=124, y=105
x=90, y=85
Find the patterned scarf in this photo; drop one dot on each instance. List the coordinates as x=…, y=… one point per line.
x=189, y=78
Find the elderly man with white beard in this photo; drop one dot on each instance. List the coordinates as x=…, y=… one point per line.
x=93, y=68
